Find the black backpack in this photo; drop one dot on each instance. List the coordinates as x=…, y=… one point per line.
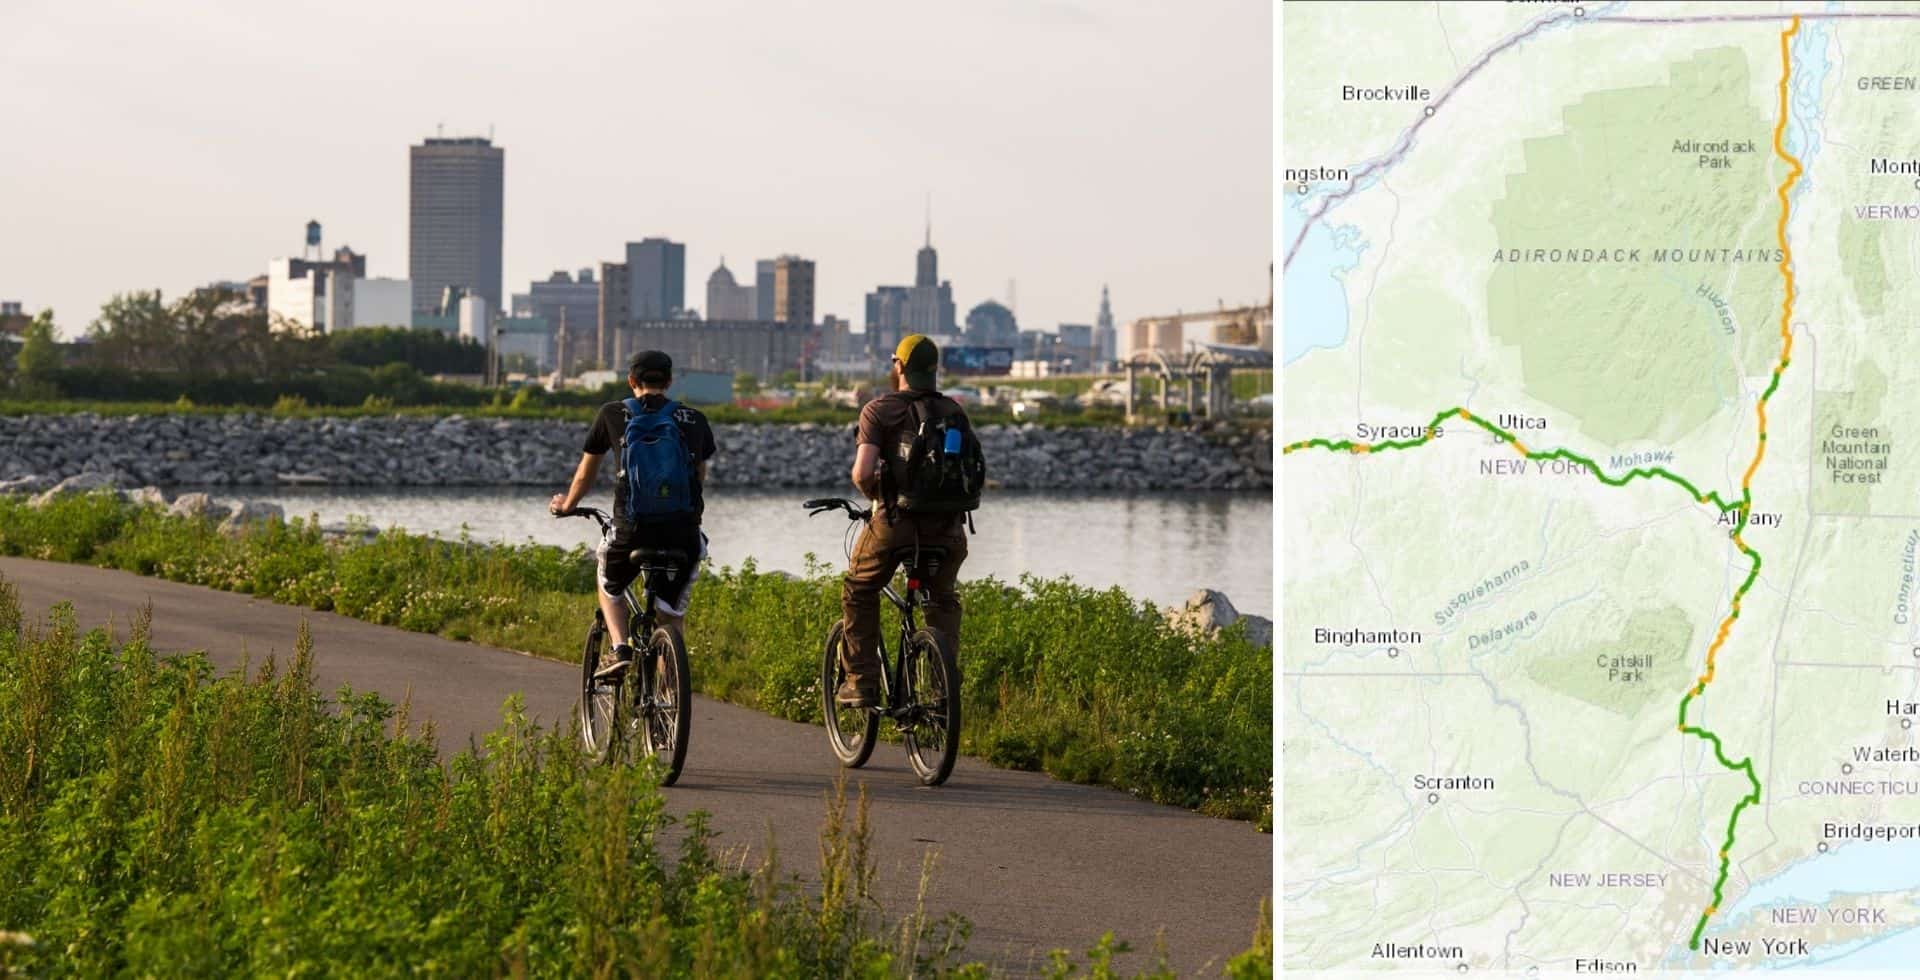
x=942, y=469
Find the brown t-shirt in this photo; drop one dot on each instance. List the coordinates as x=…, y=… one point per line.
x=888, y=423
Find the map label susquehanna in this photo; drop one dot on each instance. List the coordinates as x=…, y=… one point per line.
x=1486, y=586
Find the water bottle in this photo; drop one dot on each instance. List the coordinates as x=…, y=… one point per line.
x=953, y=442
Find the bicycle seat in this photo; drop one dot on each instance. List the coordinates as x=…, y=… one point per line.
x=658, y=556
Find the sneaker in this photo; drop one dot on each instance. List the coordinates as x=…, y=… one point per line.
x=855, y=695
x=622, y=659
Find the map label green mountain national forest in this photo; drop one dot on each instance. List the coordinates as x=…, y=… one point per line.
x=1601, y=628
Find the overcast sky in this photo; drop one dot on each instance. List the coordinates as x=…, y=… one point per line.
x=166, y=145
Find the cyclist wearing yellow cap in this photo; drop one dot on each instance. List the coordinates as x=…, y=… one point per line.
x=918, y=504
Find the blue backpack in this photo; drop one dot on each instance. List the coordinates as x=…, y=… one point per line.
x=655, y=462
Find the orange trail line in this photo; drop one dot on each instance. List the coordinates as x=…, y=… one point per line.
x=1786, y=312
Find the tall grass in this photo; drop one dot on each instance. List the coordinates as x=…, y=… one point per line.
x=1091, y=686
x=157, y=820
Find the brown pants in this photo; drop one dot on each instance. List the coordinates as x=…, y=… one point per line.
x=875, y=557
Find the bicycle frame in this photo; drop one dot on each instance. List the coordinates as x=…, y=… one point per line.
x=640, y=610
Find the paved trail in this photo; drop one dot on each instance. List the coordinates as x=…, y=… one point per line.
x=1033, y=862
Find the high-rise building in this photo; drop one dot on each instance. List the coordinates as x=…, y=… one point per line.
x=925, y=307
x=456, y=206
x=1106, y=342
x=569, y=302
x=657, y=278
x=793, y=290
x=1076, y=344
x=616, y=308
x=763, y=290
x=727, y=299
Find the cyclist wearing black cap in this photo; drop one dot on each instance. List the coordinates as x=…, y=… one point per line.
x=649, y=375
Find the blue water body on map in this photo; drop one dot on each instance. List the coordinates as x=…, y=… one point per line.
x=1315, y=290
x=1860, y=868
x=1808, y=51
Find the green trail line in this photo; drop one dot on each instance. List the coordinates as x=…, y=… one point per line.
x=1741, y=508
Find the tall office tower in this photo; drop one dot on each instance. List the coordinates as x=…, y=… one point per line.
x=793, y=290
x=657, y=274
x=763, y=290
x=457, y=192
x=615, y=311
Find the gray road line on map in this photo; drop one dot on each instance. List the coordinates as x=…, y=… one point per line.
x=1370, y=673
x=1910, y=518
x=1799, y=563
x=1838, y=666
x=1405, y=142
x=1759, y=18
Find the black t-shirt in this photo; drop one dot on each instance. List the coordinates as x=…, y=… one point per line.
x=611, y=423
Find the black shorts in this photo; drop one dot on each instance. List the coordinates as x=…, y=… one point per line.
x=670, y=593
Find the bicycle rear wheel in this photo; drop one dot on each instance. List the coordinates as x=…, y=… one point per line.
x=665, y=713
x=931, y=725
x=850, y=731
x=599, y=701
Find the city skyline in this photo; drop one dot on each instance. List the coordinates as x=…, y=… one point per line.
x=1128, y=145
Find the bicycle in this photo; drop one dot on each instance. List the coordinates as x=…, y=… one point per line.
x=919, y=689
x=656, y=710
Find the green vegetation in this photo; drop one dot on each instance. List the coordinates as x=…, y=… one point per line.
x=1635, y=347
x=1086, y=685
x=1600, y=673
x=427, y=351
x=158, y=821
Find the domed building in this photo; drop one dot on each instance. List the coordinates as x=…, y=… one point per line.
x=726, y=298
x=992, y=325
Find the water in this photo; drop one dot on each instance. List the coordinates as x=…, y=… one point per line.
x=1316, y=287
x=1860, y=868
x=1155, y=546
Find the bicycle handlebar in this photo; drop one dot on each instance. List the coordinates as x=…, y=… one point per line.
x=605, y=519
x=820, y=505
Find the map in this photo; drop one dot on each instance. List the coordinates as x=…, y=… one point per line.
x=1600, y=494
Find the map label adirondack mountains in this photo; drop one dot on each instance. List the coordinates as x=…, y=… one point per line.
x=1600, y=516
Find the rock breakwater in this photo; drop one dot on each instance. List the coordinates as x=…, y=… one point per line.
x=262, y=450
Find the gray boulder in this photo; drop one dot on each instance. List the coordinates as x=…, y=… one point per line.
x=198, y=505
x=1208, y=612
x=31, y=483
x=87, y=482
x=148, y=497
x=249, y=513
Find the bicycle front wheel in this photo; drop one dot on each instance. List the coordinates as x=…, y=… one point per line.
x=666, y=707
x=599, y=701
x=850, y=731
x=931, y=723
